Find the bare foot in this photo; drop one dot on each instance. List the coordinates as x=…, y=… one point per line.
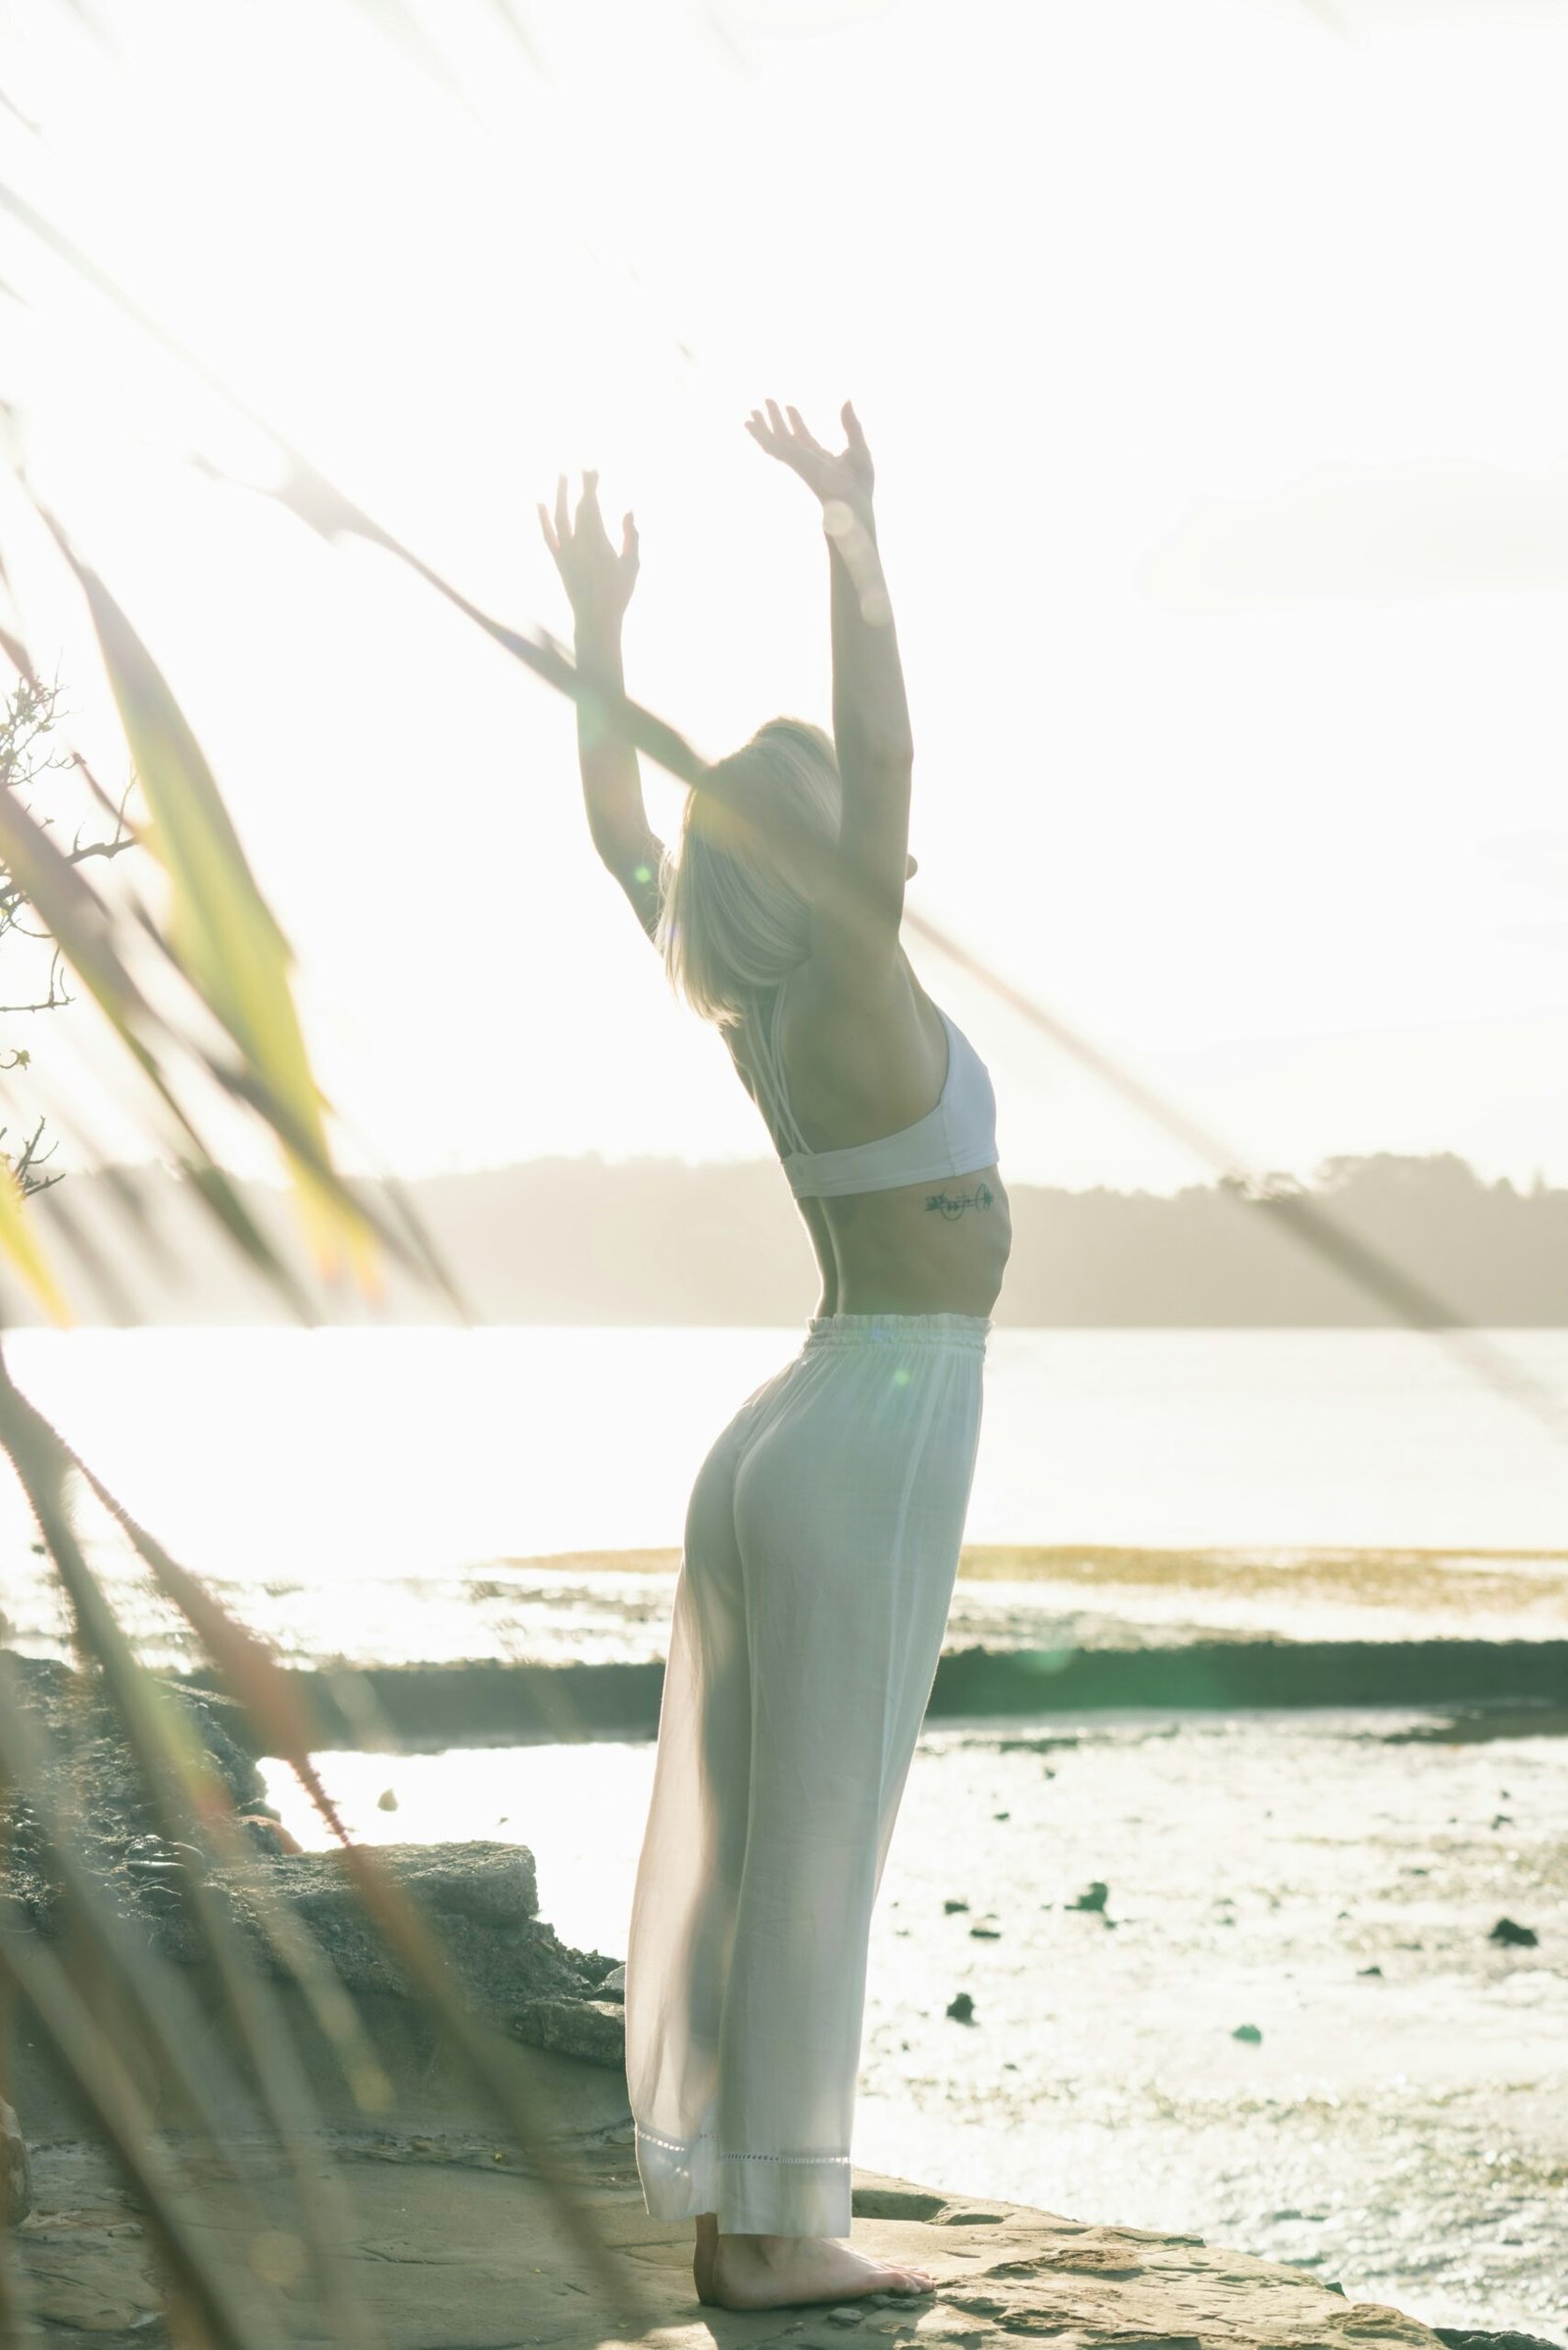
x=776, y=2272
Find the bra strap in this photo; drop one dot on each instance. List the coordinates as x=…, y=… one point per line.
x=771, y=1069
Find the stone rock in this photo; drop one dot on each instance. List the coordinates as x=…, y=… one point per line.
x=951, y=1907
x=480, y=1898
x=596, y=1966
x=1514, y=1938
x=1248, y=2032
x=442, y=2245
x=891, y=2199
x=16, y=2172
x=1458, y=2338
x=613, y=1985
x=112, y=1817
x=594, y=2029
x=267, y=1833
x=1093, y=1898
x=962, y=2008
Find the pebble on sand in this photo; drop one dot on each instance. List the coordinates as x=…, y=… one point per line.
x=1516, y=1938
x=1248, y=2032
x=962, y=2008
x=1093, y=1898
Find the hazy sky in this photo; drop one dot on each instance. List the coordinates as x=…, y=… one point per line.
x=1211, y=354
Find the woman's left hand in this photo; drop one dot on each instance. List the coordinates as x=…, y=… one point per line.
x=597, y=579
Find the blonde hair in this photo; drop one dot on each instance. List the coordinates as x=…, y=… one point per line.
x=731, y=923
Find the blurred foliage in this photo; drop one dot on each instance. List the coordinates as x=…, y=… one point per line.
x=195, y=990
x=28, y=754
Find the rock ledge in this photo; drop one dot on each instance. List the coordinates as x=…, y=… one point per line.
x=452, y=2240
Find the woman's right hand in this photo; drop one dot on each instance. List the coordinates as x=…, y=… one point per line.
x=598, y=580
x=844, y=478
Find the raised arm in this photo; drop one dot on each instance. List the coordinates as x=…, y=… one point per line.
x=599, y=582
x=870, y=713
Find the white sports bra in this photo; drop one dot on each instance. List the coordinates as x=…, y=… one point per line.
x=958, y=1137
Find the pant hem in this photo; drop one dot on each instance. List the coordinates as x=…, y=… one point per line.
x=788, y=2194
x=753, y=2194
x=680, y=2176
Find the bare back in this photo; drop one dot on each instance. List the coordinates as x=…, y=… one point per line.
x=859, y=1068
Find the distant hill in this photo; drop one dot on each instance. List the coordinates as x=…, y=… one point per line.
x=658, y=1241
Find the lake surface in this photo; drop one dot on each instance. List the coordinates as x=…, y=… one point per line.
x=390, y=1492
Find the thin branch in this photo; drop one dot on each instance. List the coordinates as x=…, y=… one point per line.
x=58, y=994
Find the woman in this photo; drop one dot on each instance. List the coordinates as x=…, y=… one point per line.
x=822, y=1537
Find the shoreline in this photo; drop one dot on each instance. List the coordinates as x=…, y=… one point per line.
x=606, y=1608
x=1194, y=1565
x=407, y=1707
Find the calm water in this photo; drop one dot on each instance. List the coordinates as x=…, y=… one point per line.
x=370, y=1491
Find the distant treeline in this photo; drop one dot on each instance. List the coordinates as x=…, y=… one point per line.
x=579, y=1239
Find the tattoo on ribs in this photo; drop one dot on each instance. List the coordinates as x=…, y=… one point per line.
x=952, y=1208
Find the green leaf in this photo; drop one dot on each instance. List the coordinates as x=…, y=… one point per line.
x=18, y=1242
x=220, y=927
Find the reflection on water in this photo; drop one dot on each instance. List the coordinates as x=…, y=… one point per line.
x=435, y=1494
x=320, y=1457
x=1400, y=2123
x=599, y=1611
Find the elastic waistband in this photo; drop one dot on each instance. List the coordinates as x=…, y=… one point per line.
x=898, y=1330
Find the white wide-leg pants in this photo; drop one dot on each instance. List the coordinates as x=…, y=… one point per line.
x=821, y=1545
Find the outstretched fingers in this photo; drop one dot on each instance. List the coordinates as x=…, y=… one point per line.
x=563, y=531
x=783, y=434
x=798, y=427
